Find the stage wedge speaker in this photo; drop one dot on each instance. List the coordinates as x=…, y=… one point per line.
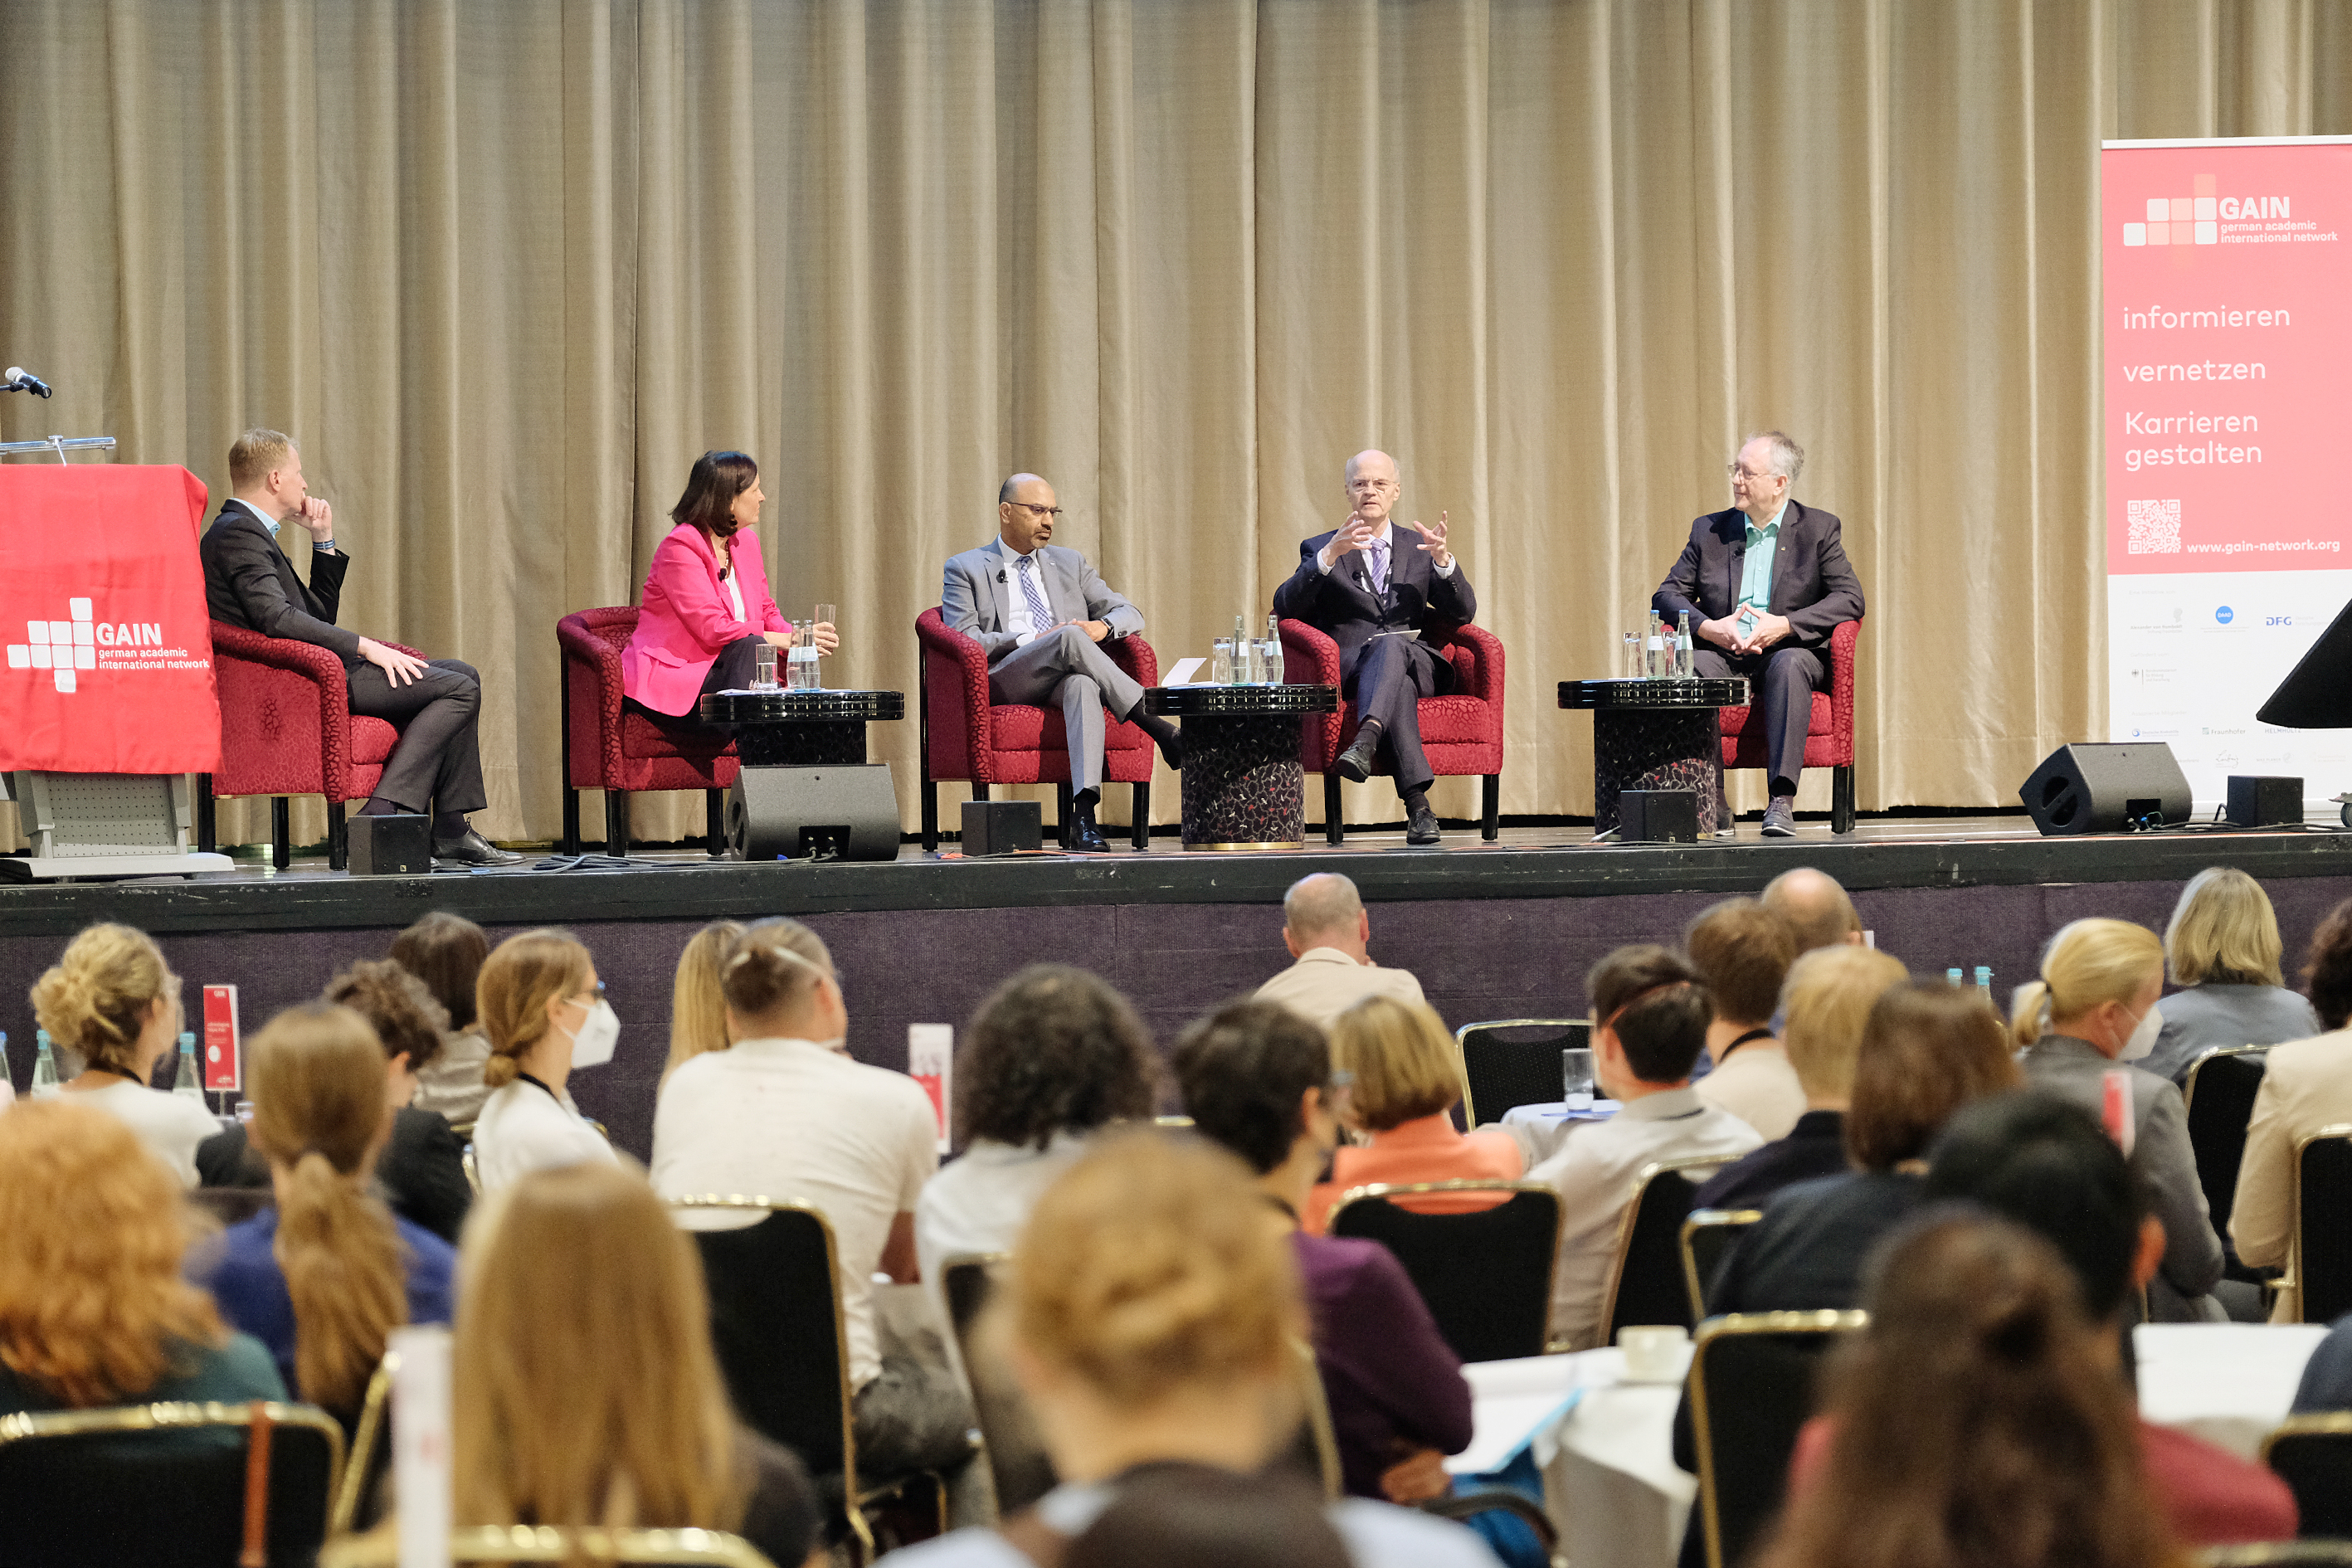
x=835, y=812
x=2095, y=788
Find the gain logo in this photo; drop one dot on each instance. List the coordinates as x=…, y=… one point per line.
x=61, y=648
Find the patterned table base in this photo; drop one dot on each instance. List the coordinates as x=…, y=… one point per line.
x=1666, y=748
x=801, y=744
x=1244, y=788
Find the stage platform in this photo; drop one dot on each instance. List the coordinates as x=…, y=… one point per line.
x=1503, y=930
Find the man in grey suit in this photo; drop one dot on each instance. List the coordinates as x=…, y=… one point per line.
x=1040, y=611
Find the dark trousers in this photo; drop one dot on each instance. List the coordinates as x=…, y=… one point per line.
x=1782, y=681
x=731, y=671
x=1390, y=678
x=438, y=762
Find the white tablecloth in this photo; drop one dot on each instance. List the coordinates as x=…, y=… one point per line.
x=1611, y=1485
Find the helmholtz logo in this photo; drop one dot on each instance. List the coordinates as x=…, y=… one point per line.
x=64, y=646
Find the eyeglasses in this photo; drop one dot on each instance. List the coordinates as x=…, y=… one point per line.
x=1030, y=506
x=594, y=994
x=1736, y=472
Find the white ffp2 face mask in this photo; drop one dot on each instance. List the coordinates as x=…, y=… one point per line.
x=599, y=1033
x=2142, y=1037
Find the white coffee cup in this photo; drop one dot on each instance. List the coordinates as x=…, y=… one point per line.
x=1653, y=1351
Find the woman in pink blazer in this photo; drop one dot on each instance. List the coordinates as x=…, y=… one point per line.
x=707, y=608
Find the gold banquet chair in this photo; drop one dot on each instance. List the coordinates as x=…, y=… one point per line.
x=169, y=1482
x=549, y=1544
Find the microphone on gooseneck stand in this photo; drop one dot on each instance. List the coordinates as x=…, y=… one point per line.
x=19, y=379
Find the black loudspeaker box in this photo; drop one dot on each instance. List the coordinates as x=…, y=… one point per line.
x=2264, y=801
x=835, y=812
x=1657, y=816
x=1002, y=827
x=398, y=846
x=2091, y=787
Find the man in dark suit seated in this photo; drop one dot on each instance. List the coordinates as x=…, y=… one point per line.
x=249, y=582
x=1360, y=586
x=1765, y=584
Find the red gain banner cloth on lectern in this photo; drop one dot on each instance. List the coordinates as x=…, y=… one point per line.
x=109, y=655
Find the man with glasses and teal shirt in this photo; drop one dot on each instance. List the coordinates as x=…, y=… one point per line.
x=1765, y=584
x=1039, y=611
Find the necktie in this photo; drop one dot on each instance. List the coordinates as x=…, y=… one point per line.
x=1379, y=568
x=1040, y=617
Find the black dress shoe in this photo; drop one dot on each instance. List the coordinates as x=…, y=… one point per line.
x=470, y=849
x=1172, y=750
x=1083, y=837
x=1421, y=827
x=1355, y=764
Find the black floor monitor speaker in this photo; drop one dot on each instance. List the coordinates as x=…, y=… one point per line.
x=836, y=812
x=1657, y=816
x=2094, y=788
x=396, y=846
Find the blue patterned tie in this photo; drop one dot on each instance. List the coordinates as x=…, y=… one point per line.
x=1040, y=617
x=1379, y=568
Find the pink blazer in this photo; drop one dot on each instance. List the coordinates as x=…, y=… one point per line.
x=686, y=621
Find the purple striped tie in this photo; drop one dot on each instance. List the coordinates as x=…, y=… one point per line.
x=1040, y=617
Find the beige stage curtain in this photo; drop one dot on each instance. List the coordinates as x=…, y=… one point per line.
x=504, y=268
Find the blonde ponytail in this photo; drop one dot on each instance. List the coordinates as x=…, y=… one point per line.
x=319, y=1113
x=2029, y=1012
x=2088, y=962
x=520, y=977
x=95, y=999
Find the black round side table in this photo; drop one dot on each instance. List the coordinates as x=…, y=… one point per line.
x=1655, y=734
x=800, y=728
x=1243, y=786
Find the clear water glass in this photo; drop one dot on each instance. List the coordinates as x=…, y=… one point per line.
x=763, y=667
x=1576, y=1078
x=1221, y=662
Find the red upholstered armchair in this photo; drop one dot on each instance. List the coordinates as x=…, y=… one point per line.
x=965, y=736
x=287, y=729
x=607, y=748
x=1829, y=739
x=1462, y=732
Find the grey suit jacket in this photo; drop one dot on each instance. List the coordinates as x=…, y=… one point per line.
x=978, y=595
x=2160, y=1156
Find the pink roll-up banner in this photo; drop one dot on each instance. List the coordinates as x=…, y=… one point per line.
x=2227, y=319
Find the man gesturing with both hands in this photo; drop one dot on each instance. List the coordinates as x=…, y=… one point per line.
x=1375, y=589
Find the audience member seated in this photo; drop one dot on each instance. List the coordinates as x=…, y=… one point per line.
x=2326, y=1382
x=585, y=1388
x=1826, y=1002
x=1256, y=1079
x=1928, y=1048
x=422, y=1168
x=544, y=1011
x=1178, y=1515
x=1053, y=1056
x=1325, y=929
x=1653, y=1015
x=2044, y=1164
x=697, y=1011
x=1979, y=1418
x=1404, y=1078
x=1149, y=1318
x=2093, y=1008
x=113, y=1002
x=1742, y=952
x=1816, y=907
x=2223, y=947
x=446, y=951
x=785, y=1111
x=2307, y=1086
x=326, y=1272
x=93, y=1308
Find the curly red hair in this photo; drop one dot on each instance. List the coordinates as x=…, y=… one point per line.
x=93, y=1310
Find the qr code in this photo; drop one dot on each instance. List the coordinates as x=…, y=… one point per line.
x=2155, y=527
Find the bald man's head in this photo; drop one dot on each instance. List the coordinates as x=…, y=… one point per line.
x=1814, y=903
x=1814, y=906
x=1373, y=484
x=1324, y=911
